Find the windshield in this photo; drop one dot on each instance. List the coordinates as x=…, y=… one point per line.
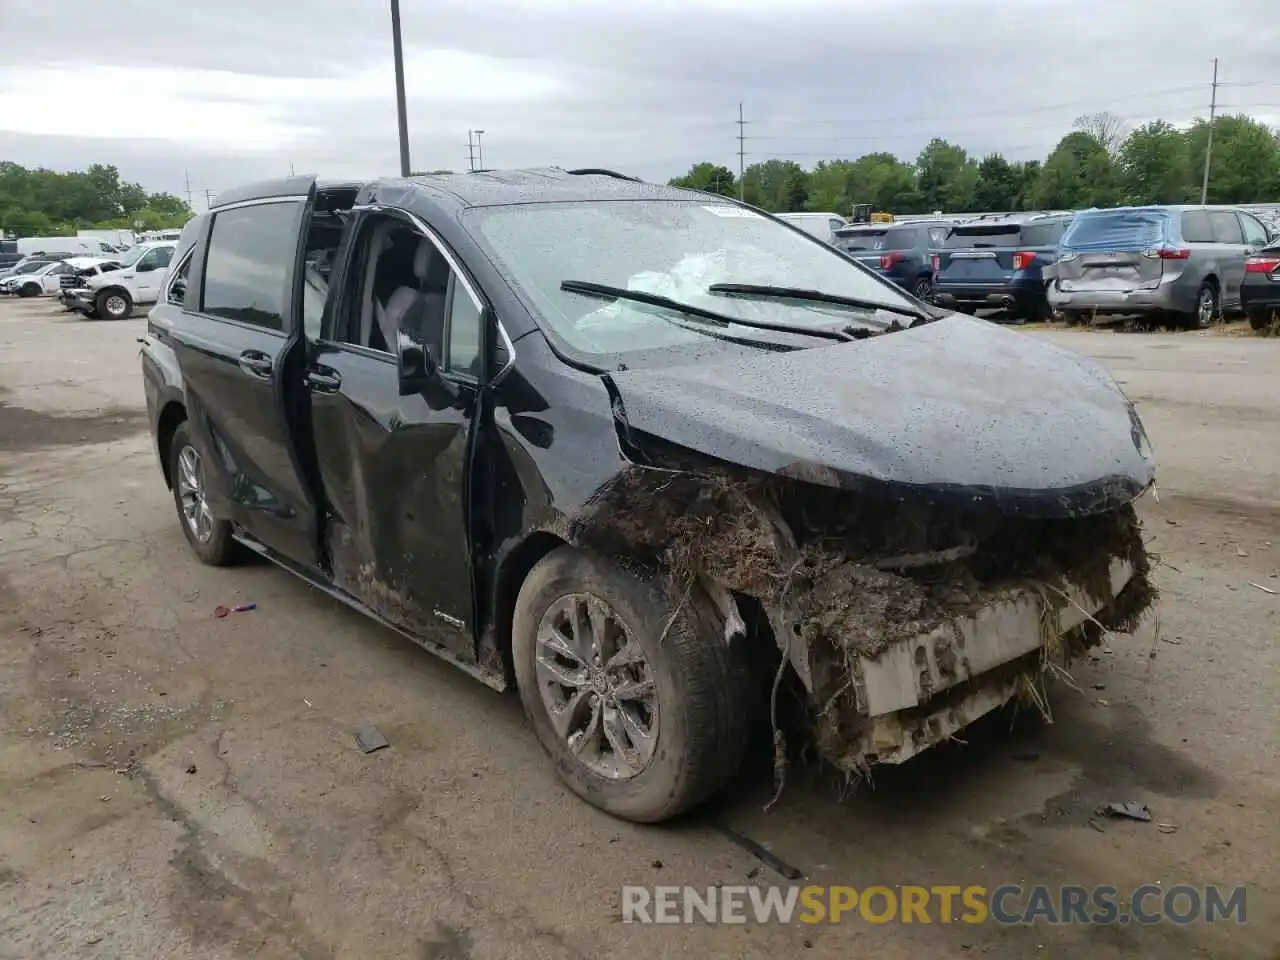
x=132, y=255
x=672, y=248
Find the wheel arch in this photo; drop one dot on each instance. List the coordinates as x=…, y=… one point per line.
x=513, y=569
x=172, y=416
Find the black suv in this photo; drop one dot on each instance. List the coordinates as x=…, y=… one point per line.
x=570, y=431
x=1000, y=262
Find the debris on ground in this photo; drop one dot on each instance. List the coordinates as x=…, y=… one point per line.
x=1096, y=825
x=220, y=611
x=1167, y=827
x=369, y=738
x=767, y=857
x=191, y=768
x=1262, y=588
x=1126, y=810
x=242, y=607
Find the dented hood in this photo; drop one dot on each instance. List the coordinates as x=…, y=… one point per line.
x=958, y=410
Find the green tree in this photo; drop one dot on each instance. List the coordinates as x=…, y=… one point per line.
x=709, y=178
x=778, y=186
x=1078, y=173
x=1154, y=165
x=1245, y=162
x=43, y=202
x=1028, y=177
x=946, y=177
x=998, y=185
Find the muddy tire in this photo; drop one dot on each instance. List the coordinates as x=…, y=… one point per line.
x=581, y=687
x=209, y=537
x=114, y=304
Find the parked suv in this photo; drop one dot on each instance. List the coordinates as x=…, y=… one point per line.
x=999, y=263
x=906, y=255
x=585, y=468
x=1183, y=261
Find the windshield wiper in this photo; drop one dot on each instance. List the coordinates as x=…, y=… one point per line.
x=606, y=292
x=813, y=296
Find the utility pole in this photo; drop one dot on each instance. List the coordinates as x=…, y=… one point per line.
x=479, y=150
x=471, y=151
x=401, y=111
x=186, y=179
x=742, y=154
x=1208, y=147
x=208, y=199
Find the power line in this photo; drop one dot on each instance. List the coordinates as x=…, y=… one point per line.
x=1078, y=104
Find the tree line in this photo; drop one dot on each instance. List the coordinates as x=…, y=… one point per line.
x=1098, y=164
x=48, y=203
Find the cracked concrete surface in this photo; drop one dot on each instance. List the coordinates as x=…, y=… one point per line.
x=177, y=786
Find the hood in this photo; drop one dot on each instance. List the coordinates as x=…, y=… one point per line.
x=957, y=410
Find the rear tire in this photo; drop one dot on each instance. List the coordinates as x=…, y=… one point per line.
x=1207, y=307
x=699, y=709
x=1074, y=318
x=209, y=538
x=1260, y=318
x=114, y=304
x=923, y=289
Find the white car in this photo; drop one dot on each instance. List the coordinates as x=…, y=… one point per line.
x=41, y=279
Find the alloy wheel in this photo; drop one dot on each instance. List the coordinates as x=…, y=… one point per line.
x=597, y=686
x=191, y=491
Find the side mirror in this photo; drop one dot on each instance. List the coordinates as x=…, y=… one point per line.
x=417, y=368
x=144, y=268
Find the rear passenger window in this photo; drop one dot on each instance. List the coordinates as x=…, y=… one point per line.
x=251, y=252
x=177, y=294
x=1255, y=234
x=464, y=333
x=937, y=236
x=1195, y=227
x=1042, y=234
x=1225, y=226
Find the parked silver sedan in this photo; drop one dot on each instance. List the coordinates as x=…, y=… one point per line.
x=1183, y=261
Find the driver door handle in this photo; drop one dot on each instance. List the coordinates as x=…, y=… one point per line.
x=256, y=364
x=324, y=379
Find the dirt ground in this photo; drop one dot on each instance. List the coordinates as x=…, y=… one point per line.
x=178, y=786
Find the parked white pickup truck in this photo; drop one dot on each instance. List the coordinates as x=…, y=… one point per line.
x=112, y=296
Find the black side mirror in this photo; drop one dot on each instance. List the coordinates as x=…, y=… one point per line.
x=418, y=370
x=145, y=268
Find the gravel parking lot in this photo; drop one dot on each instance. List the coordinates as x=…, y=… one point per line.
x=176, y=785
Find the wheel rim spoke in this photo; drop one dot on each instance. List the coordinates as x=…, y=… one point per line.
x=596, y=686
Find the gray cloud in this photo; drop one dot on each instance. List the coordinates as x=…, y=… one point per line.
x=645, y=87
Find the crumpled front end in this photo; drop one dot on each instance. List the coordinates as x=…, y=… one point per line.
x=903, y=619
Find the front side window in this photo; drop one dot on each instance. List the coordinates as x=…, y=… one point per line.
x=251, y=254
x=674, y=248
x=408, y=285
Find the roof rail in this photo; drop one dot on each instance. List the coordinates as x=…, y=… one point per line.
x=601, y=172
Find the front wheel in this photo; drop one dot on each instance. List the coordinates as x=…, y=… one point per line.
x=30, y=290
x=209, y=537
x=114, y=304
x=642, y=707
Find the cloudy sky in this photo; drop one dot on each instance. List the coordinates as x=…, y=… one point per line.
x=240, y=89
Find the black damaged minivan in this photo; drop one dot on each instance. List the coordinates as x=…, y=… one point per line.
x=631, y=448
